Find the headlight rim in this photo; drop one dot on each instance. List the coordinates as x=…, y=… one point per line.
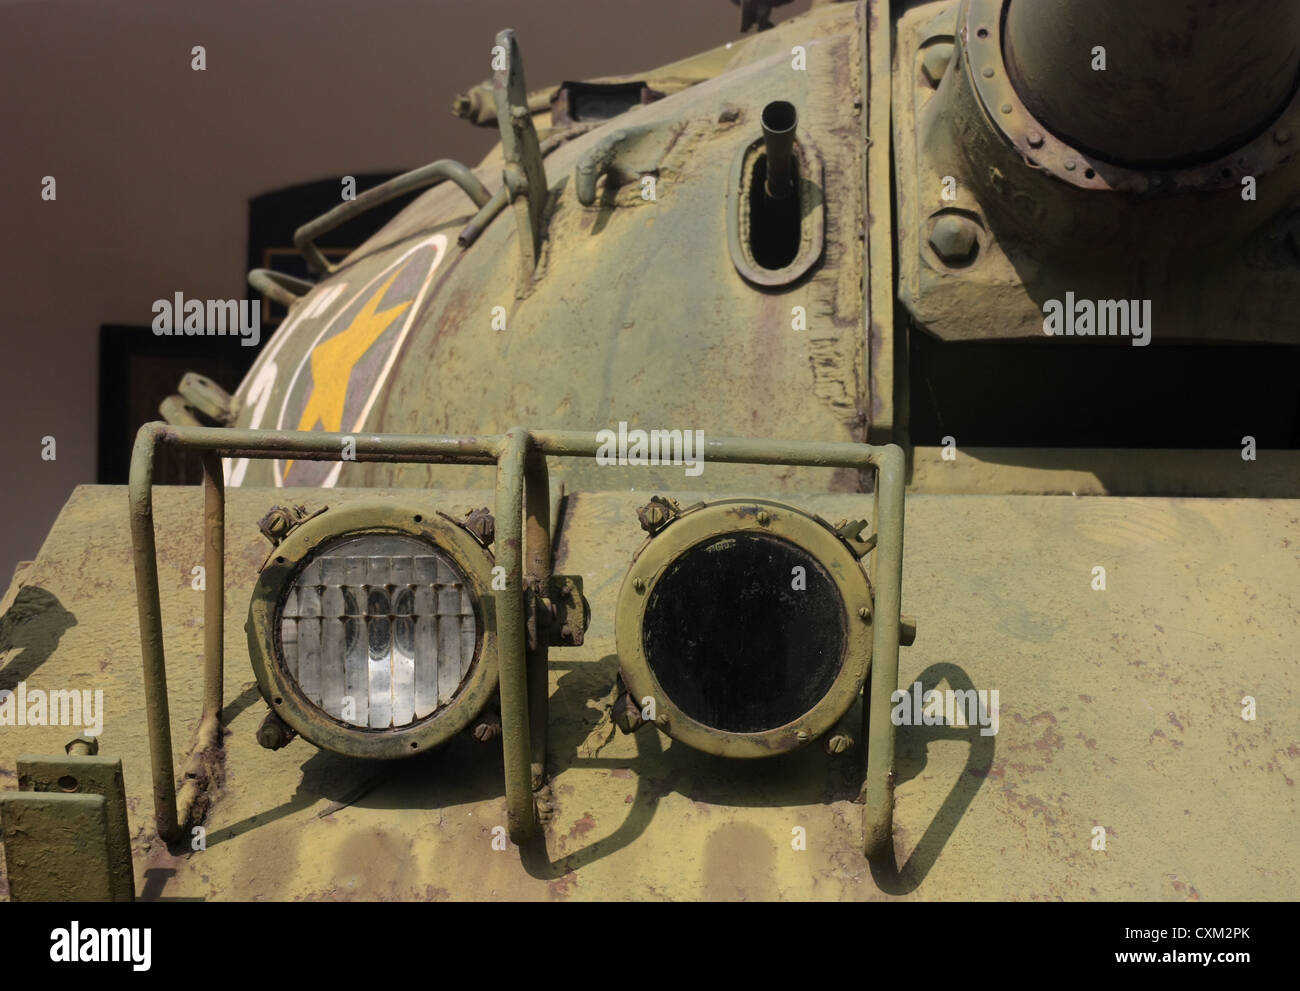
x=285, y=697
x=720, y=518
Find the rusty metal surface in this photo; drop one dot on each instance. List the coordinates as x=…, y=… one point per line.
x=1118, y=708
x=730, y=518
x=82, y=773
x=59, y=845
x=1215, y=266
x=593, y=353
x=1149, y=104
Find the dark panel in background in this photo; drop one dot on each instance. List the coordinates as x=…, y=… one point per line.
x=1070, y=393
x=138, y=369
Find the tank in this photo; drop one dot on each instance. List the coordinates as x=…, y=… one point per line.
x=819, y=468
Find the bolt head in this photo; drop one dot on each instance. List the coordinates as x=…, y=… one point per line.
x=955, y=239
x=935, y=62
x=838, y=743
x=83, y=744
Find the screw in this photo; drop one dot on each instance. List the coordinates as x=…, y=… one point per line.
x=763, y=518
x=864, y=614
x=955, y=239
x=274, y=733
x=802, y=736
x=838, y=743
x=936, y=61
x=638, y=584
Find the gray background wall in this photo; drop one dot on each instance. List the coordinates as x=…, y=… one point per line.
x=155, y=163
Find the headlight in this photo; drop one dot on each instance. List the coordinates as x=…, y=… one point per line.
x=747, y=624
x=367, y=630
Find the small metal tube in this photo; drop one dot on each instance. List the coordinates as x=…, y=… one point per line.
x=779, y=120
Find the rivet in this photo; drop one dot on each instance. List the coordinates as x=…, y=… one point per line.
x=1006, y=108
x=1281, y=135
x=1070, y=165
x=802, y=736
x=1035, y=139
x=988, y=72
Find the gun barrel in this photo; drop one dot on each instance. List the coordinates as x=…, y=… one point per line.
x=779, y=120
x=1157, y=83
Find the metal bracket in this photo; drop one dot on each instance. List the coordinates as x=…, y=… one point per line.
x=626, y=154
x=208, y=398
x=524, y=175
x=558, y=618
x=280, y=521
x=66, y=833
x=657, y=514
x=479, y=522
x=850, y=531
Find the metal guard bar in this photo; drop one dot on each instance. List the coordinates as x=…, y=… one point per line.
x=520, y=458
x=283, y=288
x=444, y=169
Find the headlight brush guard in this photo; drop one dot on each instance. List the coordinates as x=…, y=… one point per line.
x=522, y=549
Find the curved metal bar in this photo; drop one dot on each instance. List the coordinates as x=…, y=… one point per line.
x=521, y=816
x=443, y=169
x=537, y=572
x=521, y=483
x=484, y=217
x=284, y=289
x=151, y=635
x=878, y=790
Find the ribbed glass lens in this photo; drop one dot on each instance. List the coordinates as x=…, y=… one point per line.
x=378, y=630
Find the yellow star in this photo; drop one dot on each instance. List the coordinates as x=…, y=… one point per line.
x=333, y=361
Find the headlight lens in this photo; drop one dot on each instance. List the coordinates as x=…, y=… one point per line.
x=746, y=626
x=378, y=630
x=369, y=629
x=733, y=644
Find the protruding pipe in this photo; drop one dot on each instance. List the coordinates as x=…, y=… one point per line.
x=1160, y=83
x=779, y=120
